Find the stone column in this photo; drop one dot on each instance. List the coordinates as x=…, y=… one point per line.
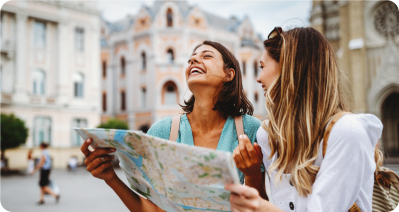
x=20, y=59
x=63, y=71
x=316, y=16
x=357, y=55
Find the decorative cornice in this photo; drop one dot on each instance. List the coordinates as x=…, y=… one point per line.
x=72, y=6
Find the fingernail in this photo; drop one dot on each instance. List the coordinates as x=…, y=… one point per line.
x=240, y=136
x=113, y=150
x=88, y=140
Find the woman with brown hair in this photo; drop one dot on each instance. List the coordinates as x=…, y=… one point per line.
x=300, y=77
x=213, y=75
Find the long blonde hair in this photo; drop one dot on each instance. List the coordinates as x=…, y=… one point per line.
x=301, y=101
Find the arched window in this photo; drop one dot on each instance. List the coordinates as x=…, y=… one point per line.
x=123, y=100
x=143, y=97
x=390, y=118
x=41, y=130
x=169, y=18
x=76, y=139
x=123, y=65
x=256, y=69
x=144, y=128
x=104, y=100
x=78, y=81
x=169, y=93
x=39, y=80
x=244, y=68
x=104, y=66
x=170, y=56
x=143, y=61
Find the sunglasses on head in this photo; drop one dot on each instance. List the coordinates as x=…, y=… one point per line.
x=275, y=32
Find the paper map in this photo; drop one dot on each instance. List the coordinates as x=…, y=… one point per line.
x=174, y=176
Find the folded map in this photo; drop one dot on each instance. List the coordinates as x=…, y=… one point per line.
x=174, y=176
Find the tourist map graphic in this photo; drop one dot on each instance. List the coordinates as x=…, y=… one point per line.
x=174, y=176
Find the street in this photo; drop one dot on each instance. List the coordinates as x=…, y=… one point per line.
x=79, y=192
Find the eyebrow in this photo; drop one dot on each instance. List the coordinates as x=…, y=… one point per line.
x=203, y=52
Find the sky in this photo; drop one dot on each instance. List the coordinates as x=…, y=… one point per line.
x=264, y=15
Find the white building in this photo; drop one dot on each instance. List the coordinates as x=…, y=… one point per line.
x=50, y=73
x=144, y=56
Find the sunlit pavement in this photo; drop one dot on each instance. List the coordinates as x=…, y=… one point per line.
x=79, y=192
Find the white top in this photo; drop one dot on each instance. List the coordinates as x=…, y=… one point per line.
x=346, y=172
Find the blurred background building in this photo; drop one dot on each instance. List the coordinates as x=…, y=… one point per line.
x=365, y=37
x=144, y=57
x=63, y=65
x=49, y=73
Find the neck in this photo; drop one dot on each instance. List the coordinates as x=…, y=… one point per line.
x=203, y=117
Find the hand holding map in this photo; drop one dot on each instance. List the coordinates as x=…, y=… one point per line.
x=175, y=177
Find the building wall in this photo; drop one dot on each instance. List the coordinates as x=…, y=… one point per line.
x=61, y=63
x=149, y=33
x=368, y=52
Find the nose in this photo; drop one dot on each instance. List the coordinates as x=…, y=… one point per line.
x=258, y=80
x=195, y=59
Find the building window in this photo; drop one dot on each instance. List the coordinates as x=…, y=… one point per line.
x=256, y=101
x=79, y=39
x=1, y=24
x=256, y=69
x=41, y=130
x=76, y=139
x=39, y=80
x=170, y=56
x=170, y=93
x=39, y=34
x=123, y=65
x=104, y=68
x=143, y=98
x=104, y=102
x=143, y=61
x=123, y=100
x=169, y=18
x=244, y=68
x=78, y=81
x=1, y=78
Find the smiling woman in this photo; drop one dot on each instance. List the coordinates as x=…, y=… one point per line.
x=213, y=76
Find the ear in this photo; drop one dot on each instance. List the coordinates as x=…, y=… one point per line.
x=232, y=73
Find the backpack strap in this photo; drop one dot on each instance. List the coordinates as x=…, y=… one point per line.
x=239, y=126
x=329, y=128
x=174, y=129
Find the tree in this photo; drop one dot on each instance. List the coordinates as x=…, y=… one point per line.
x=114, y=124
x=13, y=132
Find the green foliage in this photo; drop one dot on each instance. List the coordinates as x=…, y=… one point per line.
x=114, y=124
x=13, y=132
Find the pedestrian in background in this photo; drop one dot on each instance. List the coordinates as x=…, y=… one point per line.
x=31, y=162
x=45, y=167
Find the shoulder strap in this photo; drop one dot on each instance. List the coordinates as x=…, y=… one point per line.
x=239, y=126
x=329, y=128
x=174, y=129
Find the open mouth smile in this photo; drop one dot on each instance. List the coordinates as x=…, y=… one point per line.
x=196, y=71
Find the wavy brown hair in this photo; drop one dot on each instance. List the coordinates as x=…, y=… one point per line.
x=300, y=102
x=230, y=100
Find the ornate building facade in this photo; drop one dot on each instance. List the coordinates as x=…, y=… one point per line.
x=49, y=74
x=144, y=56
x=365, y=35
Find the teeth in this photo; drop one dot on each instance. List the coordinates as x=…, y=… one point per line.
x=196, y=70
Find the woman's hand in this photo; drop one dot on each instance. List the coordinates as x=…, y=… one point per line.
x=245, y=199
x=248, y=158
x=98, y=162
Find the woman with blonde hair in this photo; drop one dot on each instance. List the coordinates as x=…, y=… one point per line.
x=300, y=77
